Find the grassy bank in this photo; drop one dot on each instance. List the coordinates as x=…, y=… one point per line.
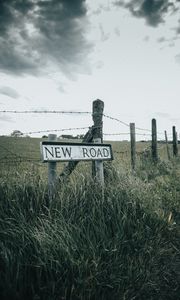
x=85, y=246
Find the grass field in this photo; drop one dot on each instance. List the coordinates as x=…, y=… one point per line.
x=123, y=244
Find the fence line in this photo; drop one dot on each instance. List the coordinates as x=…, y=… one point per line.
x=115, y=119
x=55, y=130
x=44, y=112
x=79, y=113
x=98, y=114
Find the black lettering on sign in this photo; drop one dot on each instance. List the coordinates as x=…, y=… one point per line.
x=57, y=152
x=99, y=153
x=92, y=152
x=66, y=151
x=105, y=152
x=85, y=152
x=47, y=151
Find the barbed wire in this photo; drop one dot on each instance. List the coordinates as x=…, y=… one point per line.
x=143, y=129
x=116, y=134
x=115, y=119
x=59, y=130
x=128, y=125
x=77, y=128
x=55, y=130
x=83, y=128
x=44, y=112
x=126, y=133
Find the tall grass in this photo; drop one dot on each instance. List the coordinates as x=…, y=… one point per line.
x=122, y=245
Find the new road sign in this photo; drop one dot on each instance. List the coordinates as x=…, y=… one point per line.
x=57, y=151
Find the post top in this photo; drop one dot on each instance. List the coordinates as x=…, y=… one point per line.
x=98, y=106
x=100, y=102
x=52, y=136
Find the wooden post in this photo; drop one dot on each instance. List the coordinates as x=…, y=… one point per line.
x=154, y=141
x=97, y=166
x=133, y=145
x=175, y=142
x=51, y=171
x=72, y=164
x=167, y=145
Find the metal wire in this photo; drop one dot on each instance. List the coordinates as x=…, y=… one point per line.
x=121, y=133
x=115, y=119
x=44, y=112
x=55, y=130
x=81, y=128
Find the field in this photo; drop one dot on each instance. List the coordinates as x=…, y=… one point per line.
x=85, y=244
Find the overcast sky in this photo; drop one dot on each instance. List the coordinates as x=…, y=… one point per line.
x=63, y=54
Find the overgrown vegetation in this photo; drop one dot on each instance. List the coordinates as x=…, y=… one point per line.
x=86, y=245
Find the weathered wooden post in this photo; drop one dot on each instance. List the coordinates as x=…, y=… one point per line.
x=167, y=145
x=133, y=145
x=154, y=141
x=51, y=170
x=97, y=166
x=175, y=142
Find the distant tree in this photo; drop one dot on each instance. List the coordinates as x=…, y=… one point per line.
x=16, y=133
x=66, y=136
x=44, y=137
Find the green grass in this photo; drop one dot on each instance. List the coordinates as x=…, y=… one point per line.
x=85, y=245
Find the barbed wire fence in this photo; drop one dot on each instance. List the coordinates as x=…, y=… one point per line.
x=12, y=157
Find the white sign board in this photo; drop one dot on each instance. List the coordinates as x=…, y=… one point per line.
x=57, y=151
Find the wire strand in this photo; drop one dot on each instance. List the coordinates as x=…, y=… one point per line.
x=55, y=130
x=44, y=112
x=115, y=119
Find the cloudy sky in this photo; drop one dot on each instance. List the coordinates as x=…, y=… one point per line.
x=63, y=54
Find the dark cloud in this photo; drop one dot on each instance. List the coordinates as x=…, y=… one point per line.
x=35, y=33
x=8, y=91
x=153, y=11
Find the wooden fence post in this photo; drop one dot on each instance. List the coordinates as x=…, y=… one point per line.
x=72, y=164
x=133, y=145
x=97, y=166
x=175, y=142
x=167, y=145
x=154, y=141
x=51, y=170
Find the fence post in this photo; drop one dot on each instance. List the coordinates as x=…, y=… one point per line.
x=175, y=142
x=154, y=141
x=97, y=166
x=51, y=170
x=167, y=145
x=133, y=145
